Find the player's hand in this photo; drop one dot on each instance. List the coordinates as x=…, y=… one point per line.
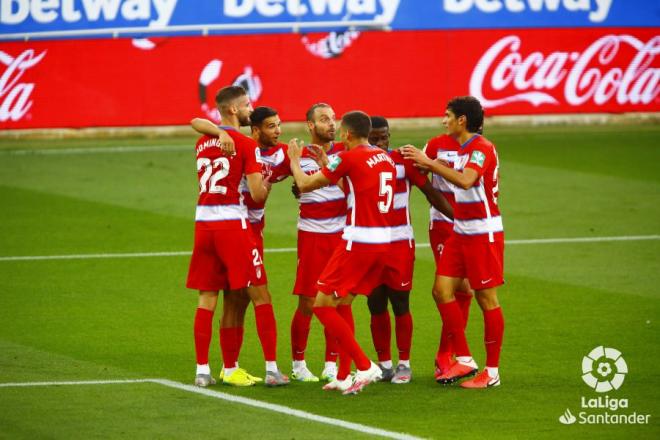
x=295, y=149
x=226, y=143
x=318, y=154
x=295, y=190
x=268, y=184
x=421, y=160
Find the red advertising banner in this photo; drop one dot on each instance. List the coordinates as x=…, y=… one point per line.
x=167, y=81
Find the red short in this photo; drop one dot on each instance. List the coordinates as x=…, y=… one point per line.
x=257, y=230
x=314, y=251
x=482, y=263
x=438, y=236
x=226, y=259
x=361, y=272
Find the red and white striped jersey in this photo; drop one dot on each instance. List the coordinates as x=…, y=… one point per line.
x=322, y=210
x=220, y=204
x=369, y=180
x=445, y=148
x=275, y=166
x=476, y=214
x=406, y=174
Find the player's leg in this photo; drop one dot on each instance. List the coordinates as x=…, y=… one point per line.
x=445, y=352
x=452, y=318
x=493, y=335
x=403, y=325
x=381, y=330
x=234, y=305
x=486, y=271
x=203, y=330
x=267, y=332
x=345, y=310
x=300, y=325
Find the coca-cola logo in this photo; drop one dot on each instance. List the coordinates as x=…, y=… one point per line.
x=614, y=67
x=15, y=96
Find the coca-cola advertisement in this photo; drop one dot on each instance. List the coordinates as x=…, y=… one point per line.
x=168, y=80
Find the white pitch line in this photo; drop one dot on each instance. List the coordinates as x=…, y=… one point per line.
x=288, y=250
x=234, y=399
x=74, y=382
x=95, y=150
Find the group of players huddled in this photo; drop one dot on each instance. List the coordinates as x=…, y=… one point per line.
x=354, y=238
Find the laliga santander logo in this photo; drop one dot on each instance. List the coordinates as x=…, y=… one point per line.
x=604, y=369
x=588, y=75
x=14, y=95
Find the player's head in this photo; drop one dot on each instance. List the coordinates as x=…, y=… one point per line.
x=234, y=103
x=265, y=126
x=380, y=132
x=355, y=128
x=321, y=123
x=464, y=113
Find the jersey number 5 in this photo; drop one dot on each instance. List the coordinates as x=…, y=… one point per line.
x=213, y=173
x=387, y=191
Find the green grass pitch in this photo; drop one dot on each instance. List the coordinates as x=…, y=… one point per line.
x=131, y=318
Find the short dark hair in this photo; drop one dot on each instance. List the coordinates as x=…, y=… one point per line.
x=357, y=122
x=312, y=109
x=227, y=94
x=379, y=122
x=470, y=107
x=259, y=115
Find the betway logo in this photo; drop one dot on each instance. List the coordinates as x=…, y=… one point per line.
x=614, y=67
x=158, y=12
x=386, y=9
x=597, y=9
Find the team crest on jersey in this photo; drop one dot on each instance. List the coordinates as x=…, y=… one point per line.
x=478, y=158
x=334, y=163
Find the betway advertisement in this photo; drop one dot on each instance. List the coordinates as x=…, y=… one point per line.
x=53, y=18
x=163, y=81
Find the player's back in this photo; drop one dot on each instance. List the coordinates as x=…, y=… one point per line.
x=370, y=182
x=220, y=204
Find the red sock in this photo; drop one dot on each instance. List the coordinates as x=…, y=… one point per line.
x=345, y=360
x=446, y=348
x=202, y=330
x=331, y=347
x=381, y=333
x=267, y=330
x=229, y=338
x=464, y=299
x=493, y=335
x=403, y=328
x=299, y=334
x=340, y=329
x=453, y=320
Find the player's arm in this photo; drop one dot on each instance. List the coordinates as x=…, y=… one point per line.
x=304, y=182
x=258, y=187
x=465, y=179
x=204, y=126
x=437, y=200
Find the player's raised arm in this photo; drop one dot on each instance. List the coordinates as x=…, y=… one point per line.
x=464, y=179
x=204, y=126
x=304, y=182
